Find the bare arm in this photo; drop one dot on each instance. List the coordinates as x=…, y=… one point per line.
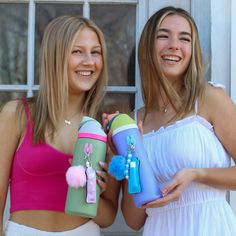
x=134, y=217
x=9, y=139
x=220, y=111
x=108, y=204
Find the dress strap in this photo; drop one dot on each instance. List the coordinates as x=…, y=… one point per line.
x=136, y=115
x=217, y=85
x=27, y=111
x=196, y=106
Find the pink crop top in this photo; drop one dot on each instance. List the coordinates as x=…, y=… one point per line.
x=38, y=175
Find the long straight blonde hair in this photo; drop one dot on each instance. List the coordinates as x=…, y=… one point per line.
x=153, y=80
x=49, y=106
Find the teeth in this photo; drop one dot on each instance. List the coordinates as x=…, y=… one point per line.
x=171, y=58
x=85, y=73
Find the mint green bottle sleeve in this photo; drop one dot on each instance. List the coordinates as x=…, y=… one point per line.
x=90, y=149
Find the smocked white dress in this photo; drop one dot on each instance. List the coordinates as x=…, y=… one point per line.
x=201, y=210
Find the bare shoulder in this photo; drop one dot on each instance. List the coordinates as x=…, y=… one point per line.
x=138, y=114
x=216, y=103
x=11, y=116
x=9, y=127
x=216, y=97
x=9, y=109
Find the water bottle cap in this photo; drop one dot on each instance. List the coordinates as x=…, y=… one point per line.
x=111, y=117
x=120, y=120
x=92, y=126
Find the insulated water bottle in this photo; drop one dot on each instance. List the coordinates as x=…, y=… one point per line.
x=83, y=191
x=133, y=162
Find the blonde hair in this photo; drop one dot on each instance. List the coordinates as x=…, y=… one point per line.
x=51, y=101
x=153, y=79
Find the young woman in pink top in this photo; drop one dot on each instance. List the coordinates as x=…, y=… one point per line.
x=38, y=134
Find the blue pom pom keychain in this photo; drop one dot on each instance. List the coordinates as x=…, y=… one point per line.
x=117, y=167
x=127, y=167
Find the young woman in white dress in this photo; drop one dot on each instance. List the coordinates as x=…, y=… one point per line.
x=189, y=132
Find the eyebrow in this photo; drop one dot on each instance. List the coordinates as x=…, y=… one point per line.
x=168, y=31
x=81, y=46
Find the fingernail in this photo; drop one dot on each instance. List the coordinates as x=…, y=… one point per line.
x=164, y=190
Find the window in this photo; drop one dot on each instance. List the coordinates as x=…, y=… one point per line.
x=22, y=25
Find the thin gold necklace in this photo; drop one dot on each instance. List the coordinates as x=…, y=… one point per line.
x=165, y=108
x=68, y=121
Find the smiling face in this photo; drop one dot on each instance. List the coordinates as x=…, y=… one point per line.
x=173, y=46
x=85, y=62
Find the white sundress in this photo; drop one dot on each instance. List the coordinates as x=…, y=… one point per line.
x=201, y=210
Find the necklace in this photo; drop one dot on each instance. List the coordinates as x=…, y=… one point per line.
x=164, y=105
x=165, y=109
x=68, y=121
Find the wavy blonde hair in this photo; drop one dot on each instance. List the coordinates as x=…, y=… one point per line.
x=153, y=80
x=51, y=102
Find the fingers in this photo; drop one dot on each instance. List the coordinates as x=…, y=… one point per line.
x=165, y=200
x=110, y=143
x=103, y=165
x=105, y=121
x=169, y=188
x=70, y=160
x=172, y=197
x=102, y=185
x=103, y=180
x=106, y=118
x=140, y=126
x=171, y=192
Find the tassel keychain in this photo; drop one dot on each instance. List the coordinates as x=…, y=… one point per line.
x=133, y=164
x=80, y=176
x=127, y=167
x=90, y=174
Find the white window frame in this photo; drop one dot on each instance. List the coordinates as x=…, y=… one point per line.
x=30, y=87
x=233, y=51
x=233, y=78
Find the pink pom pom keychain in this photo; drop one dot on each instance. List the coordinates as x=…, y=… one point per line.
x=76, y=177
x=79, y=176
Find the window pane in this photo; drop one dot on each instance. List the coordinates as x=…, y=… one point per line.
x=118, y=24
x=7, y=96
x=124, y=103
x=44, y=14
x=13, y=43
